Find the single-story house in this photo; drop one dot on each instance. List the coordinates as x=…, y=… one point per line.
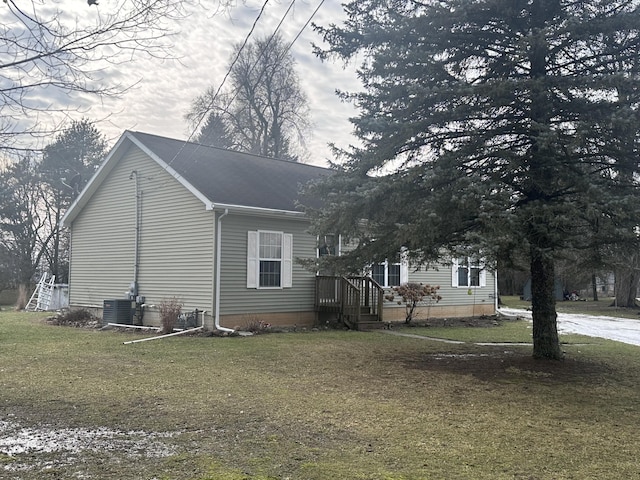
x=219, y=230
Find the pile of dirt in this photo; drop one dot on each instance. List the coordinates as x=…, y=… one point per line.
x=75, y=318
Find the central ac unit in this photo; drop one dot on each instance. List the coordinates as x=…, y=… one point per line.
x=117, y=311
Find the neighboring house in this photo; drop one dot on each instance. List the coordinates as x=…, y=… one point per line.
x=219, y=230
x=605, y=284
x=558, y=290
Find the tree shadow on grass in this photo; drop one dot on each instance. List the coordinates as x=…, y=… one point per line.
x=506, y=365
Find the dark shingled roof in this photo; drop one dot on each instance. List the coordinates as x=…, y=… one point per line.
x=234, y=178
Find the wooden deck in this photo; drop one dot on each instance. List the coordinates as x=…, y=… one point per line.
x=357, y=301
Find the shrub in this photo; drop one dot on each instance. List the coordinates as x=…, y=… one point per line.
x=75, y=318
x=253, y=324
x=170, y=309
x=414, y=294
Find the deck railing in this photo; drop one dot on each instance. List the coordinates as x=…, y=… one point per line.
x=350, y=297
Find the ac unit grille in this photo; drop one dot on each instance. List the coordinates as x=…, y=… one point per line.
x=117, y=311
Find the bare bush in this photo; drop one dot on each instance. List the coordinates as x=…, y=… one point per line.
x=170, y=309
x=253, y=324
x=413, y=295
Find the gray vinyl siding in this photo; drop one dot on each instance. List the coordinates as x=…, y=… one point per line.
x=453, y=295
x=235, y=297
x=102, y=244
x=176, y=240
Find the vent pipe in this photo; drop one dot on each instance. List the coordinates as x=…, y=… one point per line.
x=133, y=290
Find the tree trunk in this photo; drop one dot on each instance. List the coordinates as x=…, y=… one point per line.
x=626, y=287
x=545, y=331
x=594, y=286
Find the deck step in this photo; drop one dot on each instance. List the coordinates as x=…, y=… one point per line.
x=367, y=326
x=369, y=322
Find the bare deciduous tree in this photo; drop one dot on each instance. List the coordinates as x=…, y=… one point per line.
x=52, y=54
x=264, y=109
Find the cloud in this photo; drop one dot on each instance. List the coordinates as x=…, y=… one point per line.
x=163, y=90
x=205, y=46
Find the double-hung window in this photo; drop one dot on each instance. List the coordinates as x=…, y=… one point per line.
x=386, y=274
x=269, y=259
x=390, y=274
x=467, y=272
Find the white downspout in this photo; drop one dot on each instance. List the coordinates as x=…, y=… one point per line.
x=218, y=262
x=496, y=298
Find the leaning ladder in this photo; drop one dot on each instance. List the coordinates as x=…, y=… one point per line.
x=41, y=297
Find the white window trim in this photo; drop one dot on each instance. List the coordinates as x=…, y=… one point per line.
x=404, y=270
x=470, y=261
x=253, y=260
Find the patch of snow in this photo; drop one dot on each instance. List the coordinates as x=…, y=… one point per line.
x=442, y=356
x=625, y=330
x=15, y=440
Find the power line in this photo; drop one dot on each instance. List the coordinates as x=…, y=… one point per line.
x=244, y=43
x=262, y=53
x=283, y=53
x=235, y=60
x=305, y=25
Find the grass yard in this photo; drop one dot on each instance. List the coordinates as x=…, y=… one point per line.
x=317, y=405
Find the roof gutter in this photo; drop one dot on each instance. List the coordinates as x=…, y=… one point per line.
x=246, y=210
x=218, y=276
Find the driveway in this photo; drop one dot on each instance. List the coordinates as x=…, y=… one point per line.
x=624, y=330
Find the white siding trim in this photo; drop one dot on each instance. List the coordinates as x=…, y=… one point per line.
x=454, y=273
x=167, y=168
x=287, y=260
x=252, y=259
x=404, y=267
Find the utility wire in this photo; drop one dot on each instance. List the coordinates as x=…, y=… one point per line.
x=244, y=43
x=235, y=60
x=253, y=67
x=283, y=53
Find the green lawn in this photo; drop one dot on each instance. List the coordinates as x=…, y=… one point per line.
x=503, y=330
x=318, y=405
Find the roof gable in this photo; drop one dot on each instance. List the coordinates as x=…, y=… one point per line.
x=214, y=175
x=234, y=178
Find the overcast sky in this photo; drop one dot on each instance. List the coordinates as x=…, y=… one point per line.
x=165, y=89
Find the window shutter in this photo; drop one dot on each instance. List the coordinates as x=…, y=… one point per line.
x=483, y=278
x=454, y=273
x=404, y=267
x=287, y=260
x=252, y=259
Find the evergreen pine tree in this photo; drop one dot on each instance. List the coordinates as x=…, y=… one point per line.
x=215, y=132
x=67, y=165
x=489, y=126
